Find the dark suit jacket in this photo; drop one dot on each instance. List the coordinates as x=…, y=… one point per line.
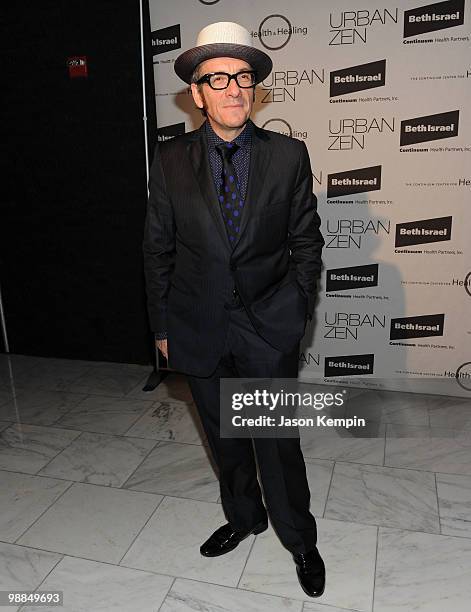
x=190, y=267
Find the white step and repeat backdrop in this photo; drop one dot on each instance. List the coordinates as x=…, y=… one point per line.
x=380, y=94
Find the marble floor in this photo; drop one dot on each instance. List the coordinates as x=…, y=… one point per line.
x=107, y=492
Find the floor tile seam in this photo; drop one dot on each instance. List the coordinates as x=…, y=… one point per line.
x=82, y=558
x=104, y=433
x=56, y=499
x=329, y=487
x=245, y=562
x=376, y=525
x=391, y=467
x=415, y=469
x=58, y=454
x=120, y=488
x=167, y=593
x=141, y=529
x=146, y=456
x=246, y=590
x=36, y=589
x=375, y=570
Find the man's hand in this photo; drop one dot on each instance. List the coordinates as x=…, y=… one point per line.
x=162, y=346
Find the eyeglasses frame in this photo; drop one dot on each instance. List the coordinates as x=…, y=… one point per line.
x=206, y=79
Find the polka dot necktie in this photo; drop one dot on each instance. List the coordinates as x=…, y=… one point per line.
x=230, y=198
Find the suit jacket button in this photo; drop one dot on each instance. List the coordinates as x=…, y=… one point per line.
x=233, y=267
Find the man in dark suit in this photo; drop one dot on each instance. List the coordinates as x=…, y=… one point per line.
x=232, y=253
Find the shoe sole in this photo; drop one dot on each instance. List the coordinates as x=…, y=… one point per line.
x=313, y=595
x=258, y=529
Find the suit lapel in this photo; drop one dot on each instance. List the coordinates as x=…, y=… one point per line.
x=260, y=157
x=198, y=153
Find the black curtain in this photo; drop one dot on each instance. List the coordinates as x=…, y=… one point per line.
x=74, y=195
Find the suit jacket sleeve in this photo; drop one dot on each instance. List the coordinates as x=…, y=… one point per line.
x=158, y=246
x=305, y=238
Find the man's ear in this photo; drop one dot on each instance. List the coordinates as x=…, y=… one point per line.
x=197, y=97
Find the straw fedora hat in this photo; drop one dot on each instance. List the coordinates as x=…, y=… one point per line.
x=223, y=39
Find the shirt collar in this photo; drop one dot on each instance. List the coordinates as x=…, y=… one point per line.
x=242, y=140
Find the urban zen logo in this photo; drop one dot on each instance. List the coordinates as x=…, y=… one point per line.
x=423, y=232
x=433, y=17
x=429, y=127
x=352, y=133
x=275, y=32
x=166, y=39
x=170, y=131
x=282, y=85
x=348, y=233
x=349, y=27
x=349, y=182
x=349, y=365
x=353, y=277
x=357, y=78
x=348, y=325
x=417, y=327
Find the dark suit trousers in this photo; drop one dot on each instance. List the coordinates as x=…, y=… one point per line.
x=280, y=460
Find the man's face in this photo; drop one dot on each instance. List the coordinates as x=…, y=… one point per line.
x=227, y=109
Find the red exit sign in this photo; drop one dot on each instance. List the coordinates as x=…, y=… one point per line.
x=77, y=66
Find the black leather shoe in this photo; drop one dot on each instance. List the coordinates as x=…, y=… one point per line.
x=226, y=539
x=311, y=572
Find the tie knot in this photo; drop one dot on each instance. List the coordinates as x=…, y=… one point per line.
x=227, y=150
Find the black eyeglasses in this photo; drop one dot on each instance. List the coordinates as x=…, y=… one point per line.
x=220, y=80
